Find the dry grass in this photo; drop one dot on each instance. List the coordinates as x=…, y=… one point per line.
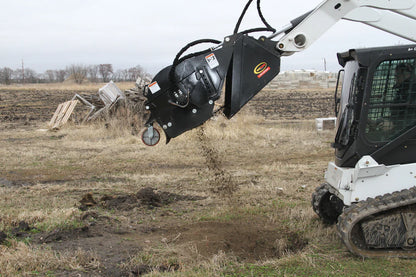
x=20, y=259
x=274, y=167
x=61, y=167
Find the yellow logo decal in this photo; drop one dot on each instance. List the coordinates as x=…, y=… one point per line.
x=260, y=68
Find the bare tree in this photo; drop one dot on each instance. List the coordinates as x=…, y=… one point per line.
x=31, y=76
x=125, y=74
x=61, y=74
x=118, y=76
x=50, y=76
x=77, y=72
x=18, y=75
x=93, y=73
x=133, y=73
x=105, y=71
x=6, y=75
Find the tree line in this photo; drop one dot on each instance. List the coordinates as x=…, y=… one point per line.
x=77, y=72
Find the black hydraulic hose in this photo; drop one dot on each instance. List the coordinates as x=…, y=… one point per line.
x=263, y=19
x=258, y=30
x=178, y=58
x=240, y=19
x=237, y=26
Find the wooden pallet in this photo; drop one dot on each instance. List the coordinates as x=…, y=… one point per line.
x=62, y=114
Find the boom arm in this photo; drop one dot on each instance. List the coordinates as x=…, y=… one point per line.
x=397, y=17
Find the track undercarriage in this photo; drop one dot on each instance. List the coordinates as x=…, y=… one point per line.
x=377, y=227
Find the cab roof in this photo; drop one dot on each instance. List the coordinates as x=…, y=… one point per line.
x=366, y=55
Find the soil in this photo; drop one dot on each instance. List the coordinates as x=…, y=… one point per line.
x=28, y=106
x=146, y=197
x=114, y=242
x=299, y=104
x=248, y=240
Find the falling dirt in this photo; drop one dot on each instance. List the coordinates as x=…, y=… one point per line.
x=221, y=181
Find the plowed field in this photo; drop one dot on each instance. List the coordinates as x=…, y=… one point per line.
x=30, y=105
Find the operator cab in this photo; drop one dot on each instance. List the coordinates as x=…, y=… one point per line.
x=376, y=112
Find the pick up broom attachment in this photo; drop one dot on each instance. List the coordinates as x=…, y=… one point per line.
x=182, y=95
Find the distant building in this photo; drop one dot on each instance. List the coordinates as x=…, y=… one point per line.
x=303, y=78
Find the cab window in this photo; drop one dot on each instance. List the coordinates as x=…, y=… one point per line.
x=392, y=103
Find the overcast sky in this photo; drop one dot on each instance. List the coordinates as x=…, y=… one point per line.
x=51, y=34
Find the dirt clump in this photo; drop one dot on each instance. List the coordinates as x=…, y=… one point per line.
x=21, y=230
x=3, y=237
x=146, y=197
x=64, y=235
x=122, y=202
x=86, y=201
x=149, y=197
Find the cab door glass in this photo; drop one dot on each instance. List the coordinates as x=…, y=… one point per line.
x=392, y=102
x=346, y=111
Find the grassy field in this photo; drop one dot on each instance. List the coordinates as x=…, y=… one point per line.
x=231, y=198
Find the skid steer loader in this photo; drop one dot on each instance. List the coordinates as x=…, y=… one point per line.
x=369, y=190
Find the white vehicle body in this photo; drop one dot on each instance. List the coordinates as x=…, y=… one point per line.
x=369, y=179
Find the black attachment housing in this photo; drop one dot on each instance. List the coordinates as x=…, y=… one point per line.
x=183, y=98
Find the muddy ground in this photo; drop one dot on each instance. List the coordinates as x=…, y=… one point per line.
x=114, y=241
x=181, y=213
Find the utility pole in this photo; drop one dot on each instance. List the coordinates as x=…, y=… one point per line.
x=23, y=72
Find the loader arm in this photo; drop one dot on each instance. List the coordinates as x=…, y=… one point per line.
x=182, y=95
x=397, y=17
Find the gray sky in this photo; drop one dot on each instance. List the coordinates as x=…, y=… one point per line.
x=51, y=34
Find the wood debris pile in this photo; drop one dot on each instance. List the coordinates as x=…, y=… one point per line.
x=108, y=102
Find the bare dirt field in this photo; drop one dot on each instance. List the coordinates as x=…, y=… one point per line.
x=231, y=198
